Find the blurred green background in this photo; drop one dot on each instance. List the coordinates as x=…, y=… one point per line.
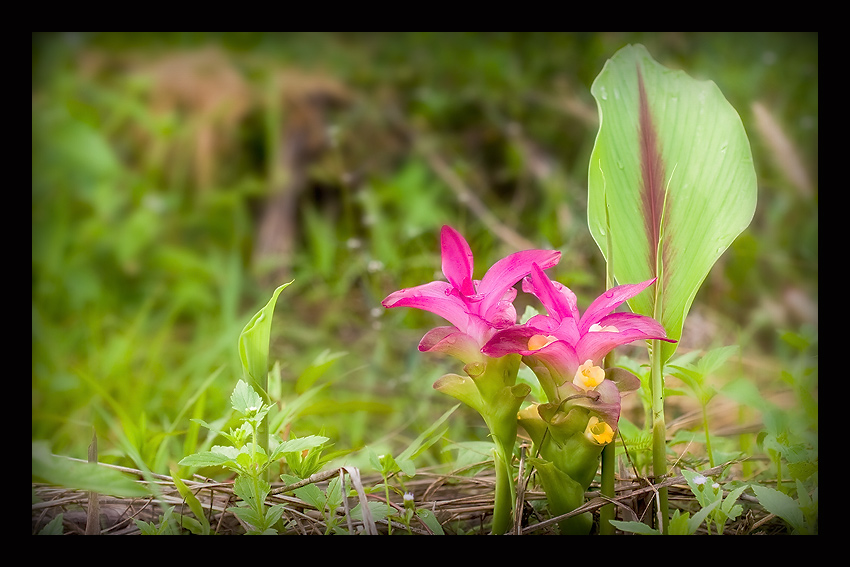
x=178, y=178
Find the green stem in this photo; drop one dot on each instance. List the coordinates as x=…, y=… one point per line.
x=255, y=478
x=387, y=496
x=261, y=433
x=707, y=437
x=609, y=464
x=659, y=430
x=505, y=497
x=606, y=513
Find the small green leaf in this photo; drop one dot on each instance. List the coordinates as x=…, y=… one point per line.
x=378, y=510
x=248, y=515
x=634, y=527
x=193, y=502
x=430, y=520
x=333, y=493
x=783, y=506
x=193, y=525
x=406, y=466
x=273, y=514
x=680, y=524
x=53, y=527
x=700, y=516
x=729, y=508
x=312, y=495
x=297, y=445
x=252, y=491
x=245, y=399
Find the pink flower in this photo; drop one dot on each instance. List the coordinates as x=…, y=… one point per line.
x=562, y=347
x=475, y=309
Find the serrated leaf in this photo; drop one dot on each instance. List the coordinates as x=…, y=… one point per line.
x=312, y=495
x=247, y=515
x=782, y=505
x=301, y=444
x=333, y=493
x=244, y=488
x=205, y=459
x=378, y=510
x=245, y=399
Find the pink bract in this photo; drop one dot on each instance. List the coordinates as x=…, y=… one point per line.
x=573, y=338
x=475, y=309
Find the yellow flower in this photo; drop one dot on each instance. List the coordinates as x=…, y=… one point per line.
x=588, y=376
x=599, y=431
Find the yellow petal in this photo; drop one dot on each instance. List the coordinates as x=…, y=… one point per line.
x=599, y=431
x=588, y=376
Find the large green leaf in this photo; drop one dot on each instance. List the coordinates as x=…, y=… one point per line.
x=671, y=181
x=254, y=344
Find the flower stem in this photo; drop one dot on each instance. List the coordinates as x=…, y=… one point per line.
x=606, y=513
x=609, y=463
x=659, y=430
x=505, y=491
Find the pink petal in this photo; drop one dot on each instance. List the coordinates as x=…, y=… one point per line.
x=458, y=263
x=560, y=358
x=609, y=301
x=595, y=345
x=436, y=297
x=568, y=331
x=509, y=270
x=510, y=340
x=544, y=324
x=558, y=300
x=632, y=321
x=502, y=315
